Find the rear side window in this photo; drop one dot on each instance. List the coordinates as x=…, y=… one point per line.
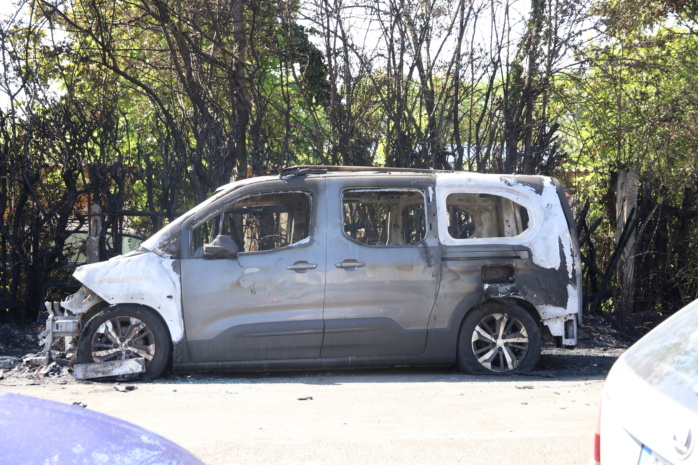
x=384, y=217
x=476, y=216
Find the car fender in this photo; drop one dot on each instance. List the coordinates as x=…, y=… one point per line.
x=145, y=279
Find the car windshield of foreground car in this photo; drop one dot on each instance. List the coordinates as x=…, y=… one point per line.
x=649, y=406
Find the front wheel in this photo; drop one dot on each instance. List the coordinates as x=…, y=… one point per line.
x=498, y=338
x=124, y=332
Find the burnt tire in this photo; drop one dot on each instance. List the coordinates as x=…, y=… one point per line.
x=498, y=339
x=123, y=332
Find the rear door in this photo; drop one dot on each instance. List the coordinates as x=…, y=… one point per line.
x=481, y=228
x=382, y=266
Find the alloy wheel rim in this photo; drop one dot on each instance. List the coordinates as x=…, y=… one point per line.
x=122, y=338
x=500, y=342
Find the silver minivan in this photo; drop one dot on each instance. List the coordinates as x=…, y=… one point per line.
x=325, y=266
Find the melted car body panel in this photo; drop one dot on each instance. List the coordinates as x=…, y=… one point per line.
x=542, y=253
x=330, y=267
x=145, y=279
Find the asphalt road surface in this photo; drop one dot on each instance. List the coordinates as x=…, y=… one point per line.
x=409, y=416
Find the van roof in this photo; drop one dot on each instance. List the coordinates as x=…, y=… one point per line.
x=302, y=170
x=536, y=181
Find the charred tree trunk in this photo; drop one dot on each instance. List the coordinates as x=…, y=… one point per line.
x=626, y=202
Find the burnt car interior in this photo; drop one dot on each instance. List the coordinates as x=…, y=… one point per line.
x=384, y=217
x=474, y=216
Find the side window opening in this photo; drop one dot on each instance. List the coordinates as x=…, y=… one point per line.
x=474, y=216
x=413, y=228
x=384, y=217
x=203, y=234
x=258, y=223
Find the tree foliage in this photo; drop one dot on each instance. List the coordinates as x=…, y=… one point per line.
x=146, y=107
x=635, y=107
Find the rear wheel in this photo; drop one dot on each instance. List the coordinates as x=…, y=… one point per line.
x=124, y=332
x=498, y=338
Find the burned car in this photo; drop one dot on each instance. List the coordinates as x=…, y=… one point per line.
x=342, y=267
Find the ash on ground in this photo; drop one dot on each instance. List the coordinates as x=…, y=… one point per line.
x=23, y=363
x=34, y=369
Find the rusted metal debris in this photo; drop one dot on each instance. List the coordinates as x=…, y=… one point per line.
x=131, y=366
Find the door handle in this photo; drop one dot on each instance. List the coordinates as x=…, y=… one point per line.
x=349, y=263
x=301, y=266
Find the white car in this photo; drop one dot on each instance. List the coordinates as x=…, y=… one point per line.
x=649, y=406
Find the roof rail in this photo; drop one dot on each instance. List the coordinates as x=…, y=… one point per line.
x=302, y=170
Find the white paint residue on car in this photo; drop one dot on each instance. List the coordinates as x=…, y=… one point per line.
x=145, y=279
x=545, y=220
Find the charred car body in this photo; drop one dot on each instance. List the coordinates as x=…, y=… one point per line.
x=342, y=267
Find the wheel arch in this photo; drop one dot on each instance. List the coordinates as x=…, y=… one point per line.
x=146, y=308
x=105, y=309
x=87, y=316
x=442, y=343
x=509, y=301
x=480, y=300
x=145, y=279
x=491, y=305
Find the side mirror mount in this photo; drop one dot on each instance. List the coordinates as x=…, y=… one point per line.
x=221, y=247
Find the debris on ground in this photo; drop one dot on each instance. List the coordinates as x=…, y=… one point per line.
x=131, y=366
x=32, y=369
x=21, y=363
x=36, y=360
x=52, y=369
x=8, y=363
x=122, y=388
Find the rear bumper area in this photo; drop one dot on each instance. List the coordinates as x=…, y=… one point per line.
x=564, y=327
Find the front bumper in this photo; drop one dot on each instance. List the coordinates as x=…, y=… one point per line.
x=57, y=326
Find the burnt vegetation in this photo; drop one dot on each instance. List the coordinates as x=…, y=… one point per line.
x=117, y=116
